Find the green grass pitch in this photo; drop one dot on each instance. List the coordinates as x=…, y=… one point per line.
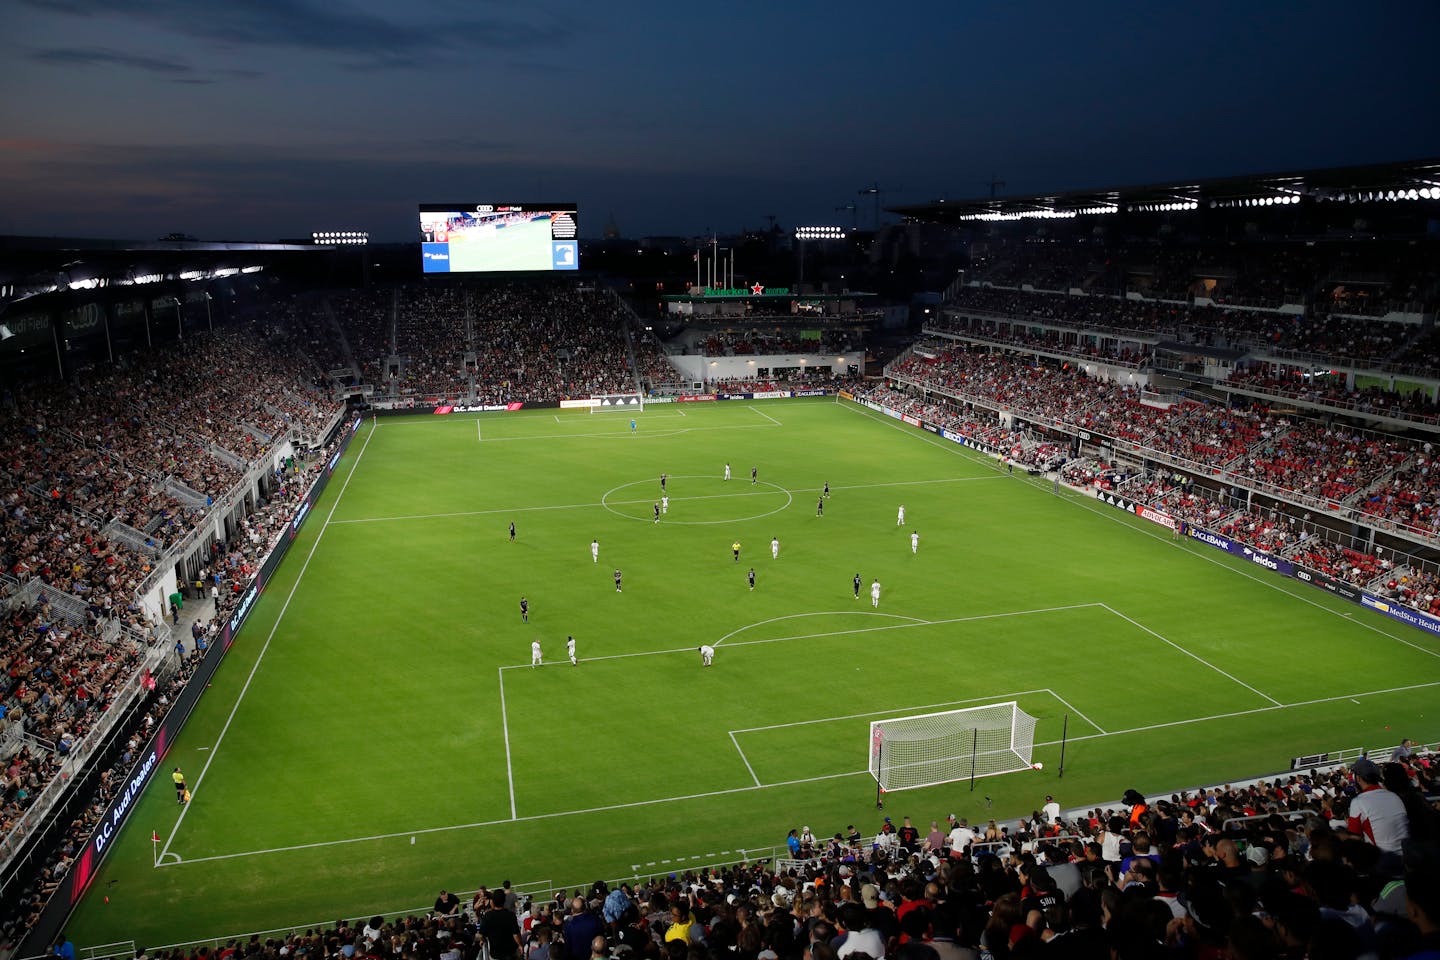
x=381, y=690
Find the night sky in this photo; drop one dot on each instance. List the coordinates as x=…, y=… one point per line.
x=258, y=119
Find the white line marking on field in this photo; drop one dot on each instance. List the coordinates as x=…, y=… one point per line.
x=612, y=435
x=744, y=759
x=202, y=748
x=477, y=430
x=1074, y=710
x=621, y=503
x=299, y=578
x=1353, y=700
x=557, y=418
x=405, y=834
x=818, y=613
x=893, y=711
x=401, y=834
x=766, y=416
x=922, y=435
x=1194, y=656
x=1245, y=713
x=1205, y=553
x=505, y=726
x=817, y=636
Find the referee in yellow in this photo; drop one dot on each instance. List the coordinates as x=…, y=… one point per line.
x=735, y=549
x=180, y=788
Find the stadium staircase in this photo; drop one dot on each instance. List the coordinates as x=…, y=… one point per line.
x=1359, y=495
x=349, y=354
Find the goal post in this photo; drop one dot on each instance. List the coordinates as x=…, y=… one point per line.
x=935, y=748
x=617, y=402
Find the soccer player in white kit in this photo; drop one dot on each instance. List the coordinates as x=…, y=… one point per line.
x=875, y=594
x=774, y=548
x=914, y=542
x=570, y=649
x=535, y=659
x=707, y=654
x=665, y=504
x=727, y=471
x=900, y=517
x=595, y=551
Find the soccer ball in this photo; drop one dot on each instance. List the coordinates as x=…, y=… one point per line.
x=1039, y=765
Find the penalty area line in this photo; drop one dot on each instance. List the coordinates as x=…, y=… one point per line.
x=398, y=834
x=766, y=416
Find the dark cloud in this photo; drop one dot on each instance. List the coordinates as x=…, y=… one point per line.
x=329, y=28
x=100, y=57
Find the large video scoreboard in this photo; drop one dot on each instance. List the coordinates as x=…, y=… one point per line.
x=498, y=237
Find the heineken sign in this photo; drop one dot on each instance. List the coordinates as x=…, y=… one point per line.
x=754, y=290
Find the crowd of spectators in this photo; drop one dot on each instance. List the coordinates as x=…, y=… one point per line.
x=1333, y=335
x=430, y=335
x=105, y=447
x=1306, y=458
x=754, y=342
x=1336, y=864
x=1298, y=384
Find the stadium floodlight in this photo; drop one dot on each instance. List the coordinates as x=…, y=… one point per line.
x=819, y=233
x=934, y=748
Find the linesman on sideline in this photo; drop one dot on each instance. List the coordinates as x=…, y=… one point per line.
x=180, y=788
x=524, y=610
x=512, y=531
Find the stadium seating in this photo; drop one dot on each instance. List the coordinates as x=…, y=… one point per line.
x=1179, y=876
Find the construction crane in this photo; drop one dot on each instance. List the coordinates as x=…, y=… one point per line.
x=877, y=192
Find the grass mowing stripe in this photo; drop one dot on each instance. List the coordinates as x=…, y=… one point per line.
x=1205, y=553
x=1194, y=656
x=896, y=711
x=625, y=503
x=215, y=748
x=529, y=818
x=1246, y=713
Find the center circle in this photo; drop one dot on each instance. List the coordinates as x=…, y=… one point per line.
x=688, y=490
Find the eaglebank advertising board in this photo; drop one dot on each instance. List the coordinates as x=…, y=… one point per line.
x=150, y=758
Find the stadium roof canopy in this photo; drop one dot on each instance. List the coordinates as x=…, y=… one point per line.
x=1414, y=180
x=35, y=266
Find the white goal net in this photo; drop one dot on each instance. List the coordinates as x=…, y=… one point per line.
x=934, y=748
x=617, y=403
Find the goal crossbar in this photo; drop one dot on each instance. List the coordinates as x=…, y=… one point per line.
x=928, y=749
